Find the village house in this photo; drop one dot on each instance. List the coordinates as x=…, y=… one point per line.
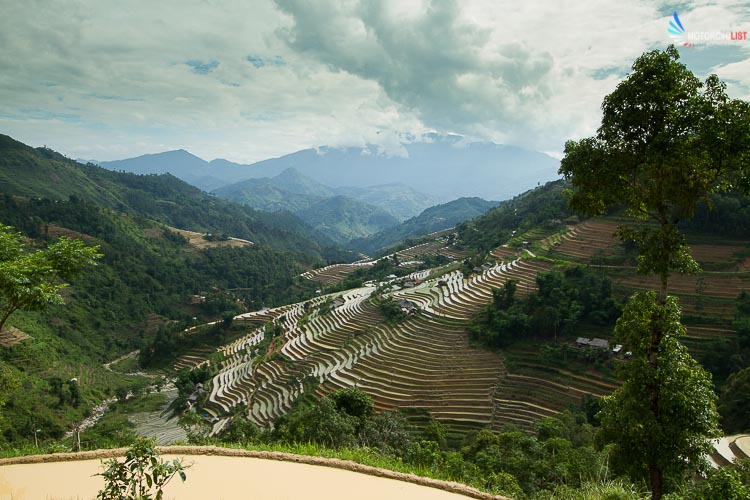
x=408, y=307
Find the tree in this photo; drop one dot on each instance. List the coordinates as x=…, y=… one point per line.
x=33, y=280
x=141, y=476
x=354, y=401
x=8, y=383
x=666, y=143
x=735, y=402
x=661, y=416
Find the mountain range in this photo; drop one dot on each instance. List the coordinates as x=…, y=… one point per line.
x=364, y=219
x=293, y=191
x=43, y=173
x=445, y=166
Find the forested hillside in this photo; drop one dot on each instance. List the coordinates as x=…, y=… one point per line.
x=43, y=173
x=433, y=219
x=151, y=279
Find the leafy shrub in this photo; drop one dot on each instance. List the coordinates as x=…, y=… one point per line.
x=141, y=476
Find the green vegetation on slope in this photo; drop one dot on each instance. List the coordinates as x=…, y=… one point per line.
x=342, y=218
x=538, y=207
x=430, y=220
x=563, y=300
x=42, y=173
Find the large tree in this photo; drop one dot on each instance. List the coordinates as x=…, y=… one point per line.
x=32, y=280
x=667, y=142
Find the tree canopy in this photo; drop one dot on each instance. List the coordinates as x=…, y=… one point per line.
x=666, y=143
x=33, y=280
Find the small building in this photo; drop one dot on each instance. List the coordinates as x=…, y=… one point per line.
x=582, y=342
x=195, y=395
x=197, y=299
x=409, y=284
x=599, y=344
x=407, y=307
x=337, y=303
x=391, y=276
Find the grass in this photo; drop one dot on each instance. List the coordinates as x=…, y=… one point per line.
x=362, y=455
x=600, y=490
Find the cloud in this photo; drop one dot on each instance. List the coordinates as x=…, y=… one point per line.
x=436, y=63
x=248, y=81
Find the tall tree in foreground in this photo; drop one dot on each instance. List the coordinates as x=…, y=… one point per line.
x=667, y=142
x=33, y=280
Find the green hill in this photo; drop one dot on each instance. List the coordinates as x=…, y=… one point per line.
x=42, y=173
x=342, y=218
x=142, y=293
x=399, y=200
x=287, y=191
x=430, y=220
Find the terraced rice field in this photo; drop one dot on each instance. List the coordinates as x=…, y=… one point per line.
x=715, y=253
x=591, y=238
x=699, y=337
x=423, y=362
x=535, y=390
x=706, y=294
x=336, y=273
x=426, y=362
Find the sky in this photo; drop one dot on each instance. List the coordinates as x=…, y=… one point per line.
x=248, y=80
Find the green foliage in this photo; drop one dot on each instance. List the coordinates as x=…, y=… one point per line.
x=537, y=207
x=665, y=429
x=322, y=423
x=29, y=280
x=563, y=299
x=432, y=219
x=8, y=384
x=723, y=214
x=666, y=143
x=354, y=401
x=726, y=483
x=391, y=310
x=734, y=404
x=141, y=476
x=240, y=429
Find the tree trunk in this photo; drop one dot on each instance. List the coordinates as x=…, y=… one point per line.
x=657, y=480
x=10, y=311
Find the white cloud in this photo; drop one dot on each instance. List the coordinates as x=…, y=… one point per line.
x=250, y=80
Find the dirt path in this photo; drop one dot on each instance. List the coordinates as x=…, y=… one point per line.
x=223, y=473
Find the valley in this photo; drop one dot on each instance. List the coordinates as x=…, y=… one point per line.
x=256, y=329
x=426, y=362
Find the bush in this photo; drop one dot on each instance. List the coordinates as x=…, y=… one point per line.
x=141, y=476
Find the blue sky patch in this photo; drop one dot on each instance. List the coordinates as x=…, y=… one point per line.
x=202, y=68
x=260, y=62
x=603, y=73
x=701, y=58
